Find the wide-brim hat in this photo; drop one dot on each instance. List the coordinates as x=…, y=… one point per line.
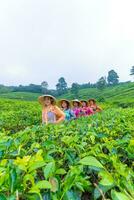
x=92, y=99
x=67, y=101
x=76, y=100
x=41, y=99
x=83, y=100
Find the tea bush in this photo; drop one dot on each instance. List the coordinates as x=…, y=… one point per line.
x=87, y=159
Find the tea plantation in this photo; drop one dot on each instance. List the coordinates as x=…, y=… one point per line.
x=87, y=159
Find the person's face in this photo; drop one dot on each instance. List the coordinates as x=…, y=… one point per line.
x=64, y=104
x=84, y=104
x=91, y=103
x=47, y=101
x=76, y=104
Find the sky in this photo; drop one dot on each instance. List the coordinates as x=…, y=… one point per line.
x=81, y=40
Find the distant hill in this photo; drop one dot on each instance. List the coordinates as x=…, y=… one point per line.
x=122, y=95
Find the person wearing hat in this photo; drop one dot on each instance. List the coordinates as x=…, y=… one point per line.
x=66, y=107
x=85, y=110
x=94, y=106
x=50, y=112
x=76, y=107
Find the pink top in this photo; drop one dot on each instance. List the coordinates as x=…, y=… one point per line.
x=77, y=112
x=85, y=111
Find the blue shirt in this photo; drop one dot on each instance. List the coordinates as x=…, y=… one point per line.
x=69, y=114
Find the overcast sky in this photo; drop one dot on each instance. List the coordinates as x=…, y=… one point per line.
x=41, y=40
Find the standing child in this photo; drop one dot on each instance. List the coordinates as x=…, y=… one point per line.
x=50, y=112
x=66, y=107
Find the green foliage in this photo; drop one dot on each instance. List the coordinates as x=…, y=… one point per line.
x=119, y=196
x=101, y=84
x=132, y=71
x=27, y=96
x=17, y=115
x=4, y=89
x=92, y=162
x=89, y=157
x=44, y=87
x=121, y=95
x=75, y=90
x=61, y=86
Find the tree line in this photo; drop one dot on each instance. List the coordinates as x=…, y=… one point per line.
x=62, y=86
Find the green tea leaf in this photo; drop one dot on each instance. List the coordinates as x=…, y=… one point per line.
x=12, y=179
x=92, y=162
x=33, y=197
x=43, y=185
x=118, y=196
x=107, y=179
x=61, y=171
x=28, y=177
x=36, y=165
x=2, y=197
x=104, y=189
x=49, y=170
x=71, y=195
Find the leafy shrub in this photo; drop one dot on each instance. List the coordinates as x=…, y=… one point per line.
x=89, y=158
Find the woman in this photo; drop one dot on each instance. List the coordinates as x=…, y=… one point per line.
x=50, y=112
x=76, y=107
x=85, y=110
x=66, y=107
x=94, y=106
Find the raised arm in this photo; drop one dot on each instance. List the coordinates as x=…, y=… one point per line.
x=99, y=109
x=59, y=115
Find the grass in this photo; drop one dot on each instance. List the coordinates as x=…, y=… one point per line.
x=28, y=96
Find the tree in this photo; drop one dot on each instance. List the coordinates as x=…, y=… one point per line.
x=61, y=86
x=75, y=90
x=5, y=89
x=132, y=71
x=101, y=84
x=84, y=85
x=44, y=86
x=28, y=88
x=112, y=78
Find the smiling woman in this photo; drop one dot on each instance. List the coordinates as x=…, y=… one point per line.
x=51, y=114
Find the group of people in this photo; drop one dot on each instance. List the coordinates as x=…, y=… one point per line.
x=55, y=112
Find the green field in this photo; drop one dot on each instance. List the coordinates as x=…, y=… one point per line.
x=121, y=95
x=27, y=96
x=90, y=158
x=87, y=159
